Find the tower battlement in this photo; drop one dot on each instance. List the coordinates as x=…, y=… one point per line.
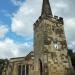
x=55, y=19
x=59, y=19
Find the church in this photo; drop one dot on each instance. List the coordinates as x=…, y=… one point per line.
x=50, y=55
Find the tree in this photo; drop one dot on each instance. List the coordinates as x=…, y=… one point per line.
x=3, y=62
x=72, y=55
x=73, y=59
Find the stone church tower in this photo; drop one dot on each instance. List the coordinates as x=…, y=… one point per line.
x=50, y=47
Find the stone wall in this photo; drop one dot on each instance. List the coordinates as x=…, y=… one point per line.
x=50, y=47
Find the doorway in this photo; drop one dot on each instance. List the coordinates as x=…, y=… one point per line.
x=40, y=67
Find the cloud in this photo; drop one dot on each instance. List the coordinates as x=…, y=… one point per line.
x=17, y=2
x=3, y=31
x=65, y=9
x=70, y=32
x=9, y=48
x=22, y=21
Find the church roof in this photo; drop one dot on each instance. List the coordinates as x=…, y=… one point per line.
x=28, y=56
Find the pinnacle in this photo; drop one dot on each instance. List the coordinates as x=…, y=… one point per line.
x=46, y=9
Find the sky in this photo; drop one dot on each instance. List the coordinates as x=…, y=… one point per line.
x=16, y=24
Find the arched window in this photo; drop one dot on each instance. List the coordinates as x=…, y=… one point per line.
x=27, y=69
x=19, y=69
x=23, y=69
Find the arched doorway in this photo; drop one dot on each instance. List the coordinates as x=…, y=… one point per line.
x=40, y=67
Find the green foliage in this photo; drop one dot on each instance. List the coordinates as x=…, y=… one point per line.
x=72, y=55
x=73, y=59
x=2, y=63
x=70, y=52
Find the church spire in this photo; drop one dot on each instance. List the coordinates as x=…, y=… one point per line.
x=46, y=9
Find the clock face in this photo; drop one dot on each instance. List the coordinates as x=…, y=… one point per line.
x=56, y=43
x=56, y=46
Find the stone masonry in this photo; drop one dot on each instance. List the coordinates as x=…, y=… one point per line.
x=50, y=56
x=50, y=47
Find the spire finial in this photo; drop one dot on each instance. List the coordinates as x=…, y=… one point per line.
x=46, y=9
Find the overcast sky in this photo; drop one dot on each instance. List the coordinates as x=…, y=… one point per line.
x=16, y=24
